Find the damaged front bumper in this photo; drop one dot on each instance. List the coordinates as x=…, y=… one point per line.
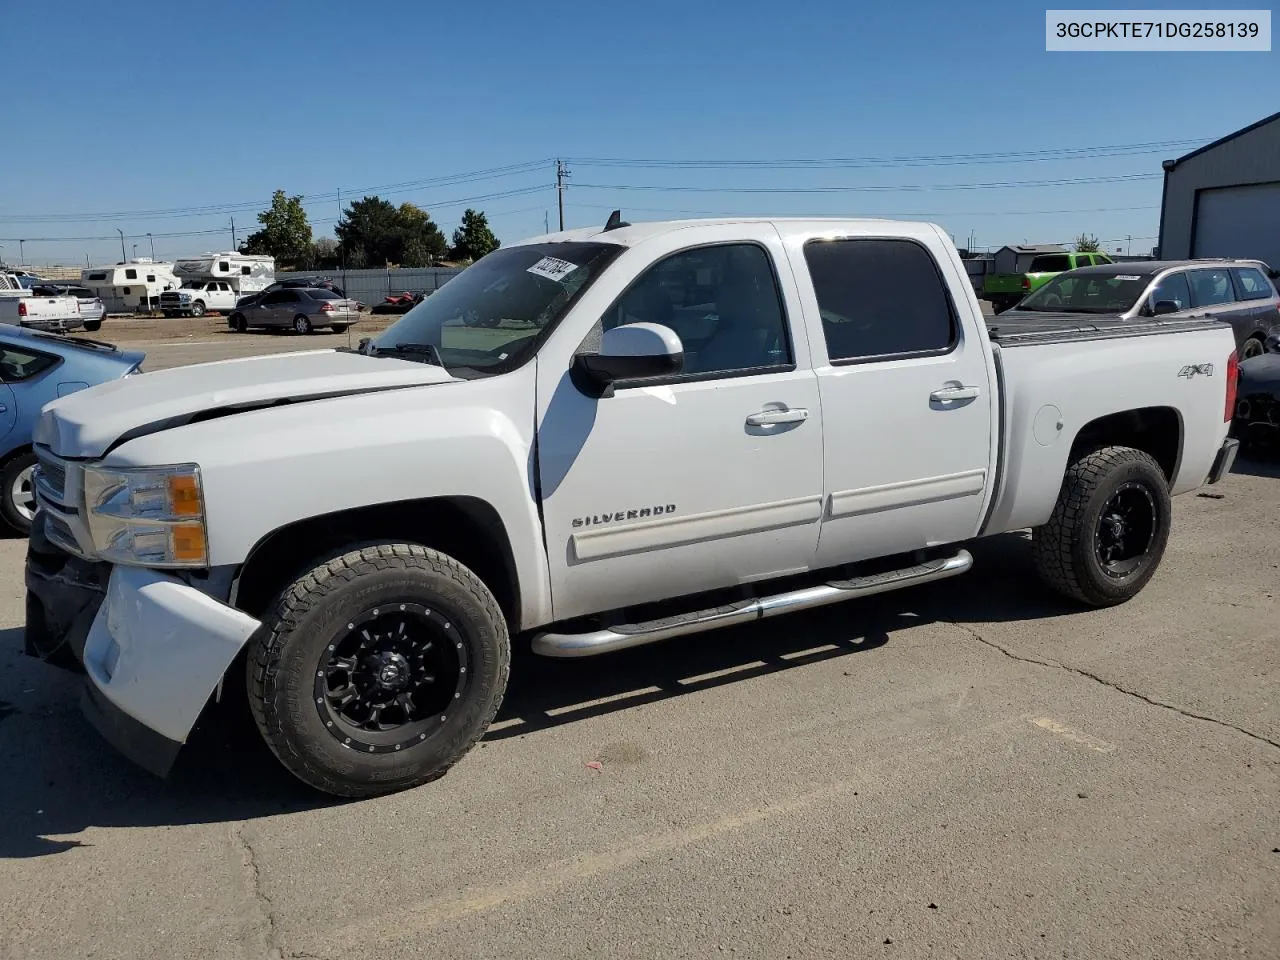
x=153, y=648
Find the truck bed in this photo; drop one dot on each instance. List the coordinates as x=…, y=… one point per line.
x=1074, y=327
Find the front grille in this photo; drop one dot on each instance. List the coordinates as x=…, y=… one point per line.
x=52, y=475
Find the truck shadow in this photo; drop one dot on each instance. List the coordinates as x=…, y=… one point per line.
x=1259, y=463
x=60, y=779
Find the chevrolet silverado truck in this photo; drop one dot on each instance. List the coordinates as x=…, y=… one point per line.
x=587, y=441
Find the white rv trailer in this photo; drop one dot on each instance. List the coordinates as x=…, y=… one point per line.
x=131, y=284
x=245, y=273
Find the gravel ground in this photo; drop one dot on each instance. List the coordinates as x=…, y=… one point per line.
x=969, y=769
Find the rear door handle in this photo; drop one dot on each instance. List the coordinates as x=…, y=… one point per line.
x=954, y=393
x=767, y=418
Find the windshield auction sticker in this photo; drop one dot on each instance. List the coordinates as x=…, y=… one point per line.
x=1238, y=31
x=553, y=269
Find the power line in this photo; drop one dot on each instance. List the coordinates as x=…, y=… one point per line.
x=882, y=188
x=929, y=213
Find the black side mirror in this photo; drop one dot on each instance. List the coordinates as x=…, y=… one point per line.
x=630, y=352
x=1163, y=307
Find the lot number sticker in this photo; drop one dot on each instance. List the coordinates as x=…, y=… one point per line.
x=553, y=269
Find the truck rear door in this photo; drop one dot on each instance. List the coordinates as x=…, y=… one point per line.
x=906, y=379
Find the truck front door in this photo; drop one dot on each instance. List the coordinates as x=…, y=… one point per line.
x=906, y=394
x=706, y=479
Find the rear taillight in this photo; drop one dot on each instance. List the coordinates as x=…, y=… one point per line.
x=22, y=309
x=1233, y=383
x=326, y=307
x=1026, y=283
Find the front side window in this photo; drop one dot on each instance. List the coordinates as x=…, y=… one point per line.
x=880, y=298
x=18, y=365
x=1251, y=284
x=1174, y=288
x=723, y=303
x=1209, y=288
x=1052, y=263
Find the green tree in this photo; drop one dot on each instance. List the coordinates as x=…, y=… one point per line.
x=373, y=232
x=473, y=238
x=324, y=253
x=285, y=233
x=1087, y=244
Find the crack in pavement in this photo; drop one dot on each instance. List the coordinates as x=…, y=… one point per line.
x=1078, y=671
x=261, y=901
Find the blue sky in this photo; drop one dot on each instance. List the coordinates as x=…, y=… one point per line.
x=124, y=110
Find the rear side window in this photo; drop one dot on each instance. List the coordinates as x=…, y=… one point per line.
x=880, y=298
x=1053, y=263
x=1084, y=260
x=1211, y=287
x=17, y=365
x=1251, y=284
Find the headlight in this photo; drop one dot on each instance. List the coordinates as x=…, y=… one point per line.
x=147, y=516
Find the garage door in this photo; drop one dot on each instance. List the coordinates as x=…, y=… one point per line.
x=1239, y=222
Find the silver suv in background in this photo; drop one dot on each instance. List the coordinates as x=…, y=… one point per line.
x=303, y=310
x=1238, y=292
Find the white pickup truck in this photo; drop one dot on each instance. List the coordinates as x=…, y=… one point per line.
x=591, y=440
x=195, y=298
x=23, y=306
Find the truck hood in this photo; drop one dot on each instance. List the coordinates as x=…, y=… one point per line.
x=90, y=422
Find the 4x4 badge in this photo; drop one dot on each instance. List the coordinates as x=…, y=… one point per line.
x=1191, y=369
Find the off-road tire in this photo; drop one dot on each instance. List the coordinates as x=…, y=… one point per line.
x=295, y=635
x=1065, y=548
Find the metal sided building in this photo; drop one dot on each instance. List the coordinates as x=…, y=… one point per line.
x=1223, y=200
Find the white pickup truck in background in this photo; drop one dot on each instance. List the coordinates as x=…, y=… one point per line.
x=195, y=298
x=23, y=306
x=592, y=440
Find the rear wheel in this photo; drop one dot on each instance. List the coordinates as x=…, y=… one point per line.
x=93, y=326
x=376, y=671
x=1108, y=530
x=301, y=324
x=339, y=327
x=238, y=323
x=1253, y=347
x=18, y=492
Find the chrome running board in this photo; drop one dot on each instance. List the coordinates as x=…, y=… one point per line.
x=622, y=636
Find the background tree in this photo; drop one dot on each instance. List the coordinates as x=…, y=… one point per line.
x=374, y=232
x=285, y=233
x=1087, y=244
x=324, y=254
x=473, y=238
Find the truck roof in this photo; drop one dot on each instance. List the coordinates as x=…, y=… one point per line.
x=634, y=233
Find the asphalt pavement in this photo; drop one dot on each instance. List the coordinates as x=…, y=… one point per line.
x=970, y=769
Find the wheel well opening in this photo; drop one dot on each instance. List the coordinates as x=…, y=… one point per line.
x=1154, y=430
x=465, y=528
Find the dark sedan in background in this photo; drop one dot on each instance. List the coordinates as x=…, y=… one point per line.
x=1238, y=292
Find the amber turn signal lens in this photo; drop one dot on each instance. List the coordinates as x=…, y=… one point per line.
x=184, y=495
x=188, y=542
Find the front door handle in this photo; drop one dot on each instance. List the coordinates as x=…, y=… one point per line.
x=767, y=418
x=954, y=393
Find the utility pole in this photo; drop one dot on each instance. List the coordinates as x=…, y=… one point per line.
x=342, y=253
x=546, y=222
x=22, y=257
x=135, y=251
x=233, y=234
x=562, y=174
x=153, y=245
x=123, y=256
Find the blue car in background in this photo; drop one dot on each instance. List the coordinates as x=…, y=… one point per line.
x=35, y=368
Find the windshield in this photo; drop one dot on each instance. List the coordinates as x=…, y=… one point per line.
x=193, y=285
x=493, y=315
x=1093, y=292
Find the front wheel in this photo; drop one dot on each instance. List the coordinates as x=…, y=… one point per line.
x=376, y=671
x=18, y=492
x=301, y=324
x=1108, y=530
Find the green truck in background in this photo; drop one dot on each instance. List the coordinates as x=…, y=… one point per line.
x=1021, y=270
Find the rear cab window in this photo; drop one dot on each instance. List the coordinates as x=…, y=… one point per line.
x=1050, y=263
x=880, y=299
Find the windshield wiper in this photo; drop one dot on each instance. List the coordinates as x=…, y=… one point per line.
x=428, y=350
